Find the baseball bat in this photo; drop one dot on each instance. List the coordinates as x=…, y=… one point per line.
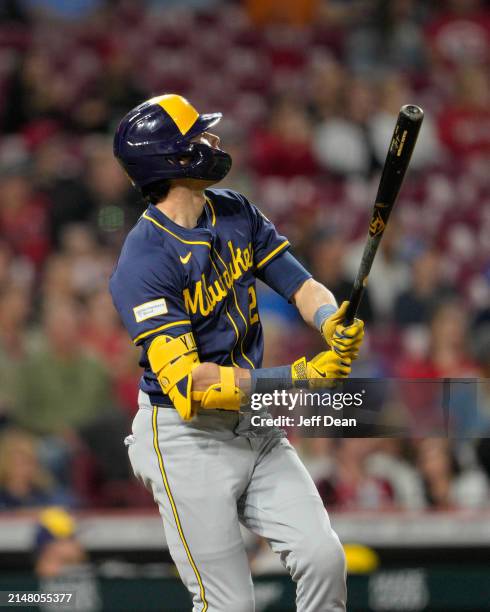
x=400, y=151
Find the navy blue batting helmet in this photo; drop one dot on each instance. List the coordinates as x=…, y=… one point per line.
x=154, y=142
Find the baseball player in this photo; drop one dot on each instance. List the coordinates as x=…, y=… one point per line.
x=184, y=286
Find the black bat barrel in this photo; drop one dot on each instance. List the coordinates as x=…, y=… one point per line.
x=400, y=151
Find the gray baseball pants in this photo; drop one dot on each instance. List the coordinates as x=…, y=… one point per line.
x=206, y=479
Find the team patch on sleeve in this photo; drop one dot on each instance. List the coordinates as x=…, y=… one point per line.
x=150, y=309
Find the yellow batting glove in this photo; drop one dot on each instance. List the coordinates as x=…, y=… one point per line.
x=325, y=366
x=330, y=324
x=345, y=341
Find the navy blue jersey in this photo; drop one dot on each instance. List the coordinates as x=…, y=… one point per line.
x=173, y=280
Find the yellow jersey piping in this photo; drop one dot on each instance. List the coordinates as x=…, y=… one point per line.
x=271, y=254
x=213, y=213
x=240, y=312
x=148, y=218
x=237, y=333
x=161, y=328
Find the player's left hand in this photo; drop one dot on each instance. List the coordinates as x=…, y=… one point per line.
x=344, y=340
x=326, y=368
x=321, y=371
x=328, y=365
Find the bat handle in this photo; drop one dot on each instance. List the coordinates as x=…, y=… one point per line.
x=354, y=301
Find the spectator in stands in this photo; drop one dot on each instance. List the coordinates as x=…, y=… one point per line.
x=57, y=175
x=79, y=269
x=340, y=141
x=328, y=81
x=29, y=100
x=58, y=280
x=101, y=329
x=327, y=249
x=460, y=33
x=284, y=147
x=116, y=207
x=464, y=124
x=446, y=485
x=395, y=91
x=14, y=312
x=448, y=353
x=400, y=43
x=112, y=94
x=103, y=337
x=24, y=482
x=349, y=486
x=23, y=216
x=390, y=273
x=415, y=305
x=62, y=564
x=89, y=265
x=60, y=387
x=382, y=34
x=389, y=463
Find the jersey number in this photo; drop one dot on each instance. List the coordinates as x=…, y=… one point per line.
x=253, y=315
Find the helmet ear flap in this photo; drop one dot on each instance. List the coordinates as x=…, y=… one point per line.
x=185, y=159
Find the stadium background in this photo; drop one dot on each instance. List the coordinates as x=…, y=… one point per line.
x=310, y=91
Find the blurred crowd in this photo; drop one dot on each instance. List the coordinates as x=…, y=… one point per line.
x=310, y=91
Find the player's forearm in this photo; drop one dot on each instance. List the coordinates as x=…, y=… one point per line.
x=207, y=374
x=215, y=386
x=309, y=297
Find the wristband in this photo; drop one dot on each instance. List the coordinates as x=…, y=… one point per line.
x=266, y=380
x=322, y=314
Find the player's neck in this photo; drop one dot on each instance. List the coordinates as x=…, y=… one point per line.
x=183, y=205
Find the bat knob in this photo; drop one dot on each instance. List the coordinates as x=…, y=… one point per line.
x=412, y=112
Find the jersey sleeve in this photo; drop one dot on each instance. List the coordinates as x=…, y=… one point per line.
x=267, y=242
x=146, y=291
x=285, y=274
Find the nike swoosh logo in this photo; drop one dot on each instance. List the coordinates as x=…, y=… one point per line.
x=320, y=373
x=185, y=259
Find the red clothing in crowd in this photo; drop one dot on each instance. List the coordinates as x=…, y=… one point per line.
x=273, y=156
x=461, y=38
x=426, y=368
x=26, y=230
x=465, y=131
x=370, y=493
